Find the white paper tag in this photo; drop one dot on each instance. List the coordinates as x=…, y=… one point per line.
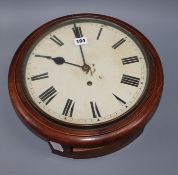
x=57, y=146
x=80, y=41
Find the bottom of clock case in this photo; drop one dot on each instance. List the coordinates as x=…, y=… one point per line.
x=82, y=153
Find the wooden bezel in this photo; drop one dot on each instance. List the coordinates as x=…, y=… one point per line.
x=90, y=142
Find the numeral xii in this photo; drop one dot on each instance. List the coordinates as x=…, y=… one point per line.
x=77, y=31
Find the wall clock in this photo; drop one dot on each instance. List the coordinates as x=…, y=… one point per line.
x=86, y=83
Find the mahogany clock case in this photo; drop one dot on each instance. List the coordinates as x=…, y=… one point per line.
x=87, y=142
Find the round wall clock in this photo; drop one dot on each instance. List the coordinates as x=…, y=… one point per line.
x=86, y=83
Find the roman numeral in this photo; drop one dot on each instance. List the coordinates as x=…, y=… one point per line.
x=95, y=110
x=99, y=33
x=133, y=81
x=77, y=31
x=116, y=45
x=56, y=40
x=119, y=99
x=43, y=56
x=69, y=107
x=40, y=76
x=130, y=60
x=48, y=95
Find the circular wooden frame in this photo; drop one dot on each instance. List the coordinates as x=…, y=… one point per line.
x=83, y=143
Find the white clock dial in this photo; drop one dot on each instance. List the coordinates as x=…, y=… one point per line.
x=86, y=72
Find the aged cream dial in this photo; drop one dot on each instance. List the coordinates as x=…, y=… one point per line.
x=86, y=72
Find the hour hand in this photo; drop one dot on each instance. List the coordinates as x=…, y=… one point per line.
x=58, y=60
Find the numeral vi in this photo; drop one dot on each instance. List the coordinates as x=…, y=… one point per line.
x=95, y=110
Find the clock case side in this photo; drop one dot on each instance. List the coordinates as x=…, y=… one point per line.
x=87, y=142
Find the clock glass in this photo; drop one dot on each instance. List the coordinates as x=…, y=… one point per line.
x=85, y=72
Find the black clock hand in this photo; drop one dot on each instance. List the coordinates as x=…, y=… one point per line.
x=58, y=60
x=61, y=60
x=82, y=55
x=78, y=34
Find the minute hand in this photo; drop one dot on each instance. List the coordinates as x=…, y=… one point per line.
x=78, y=34
x=82, y=55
